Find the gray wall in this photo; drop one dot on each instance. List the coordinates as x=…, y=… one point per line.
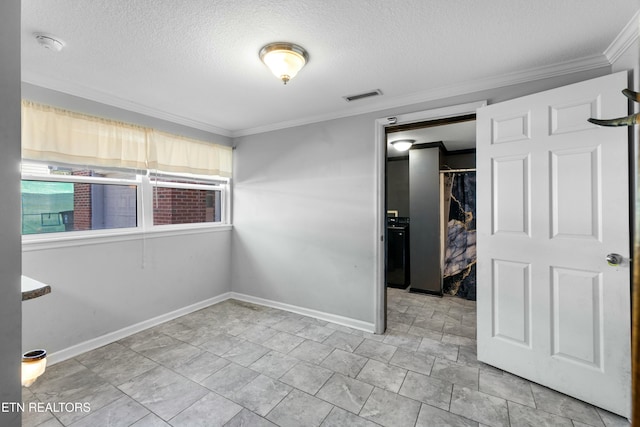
x=101, y=288
x=303, y=219
x=10, y=300
x=398, y=186
x=460, y=161
x=424, y=229
x=304, y=215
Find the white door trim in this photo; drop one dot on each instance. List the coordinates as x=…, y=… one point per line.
x=380, y=216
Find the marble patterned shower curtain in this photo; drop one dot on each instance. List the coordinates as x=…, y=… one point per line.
x=459, y=265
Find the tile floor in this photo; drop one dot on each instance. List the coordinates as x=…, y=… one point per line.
x=238, y=364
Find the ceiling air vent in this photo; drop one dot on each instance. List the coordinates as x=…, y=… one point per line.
x=371, y=93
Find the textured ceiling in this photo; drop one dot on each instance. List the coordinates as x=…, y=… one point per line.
x=196, y=61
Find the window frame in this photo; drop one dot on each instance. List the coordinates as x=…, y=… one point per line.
x=145, y=183
x=151, y=181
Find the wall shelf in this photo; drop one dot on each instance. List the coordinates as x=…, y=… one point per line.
x=32, y=288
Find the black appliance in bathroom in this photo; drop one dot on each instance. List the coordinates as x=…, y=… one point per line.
x=398, y=268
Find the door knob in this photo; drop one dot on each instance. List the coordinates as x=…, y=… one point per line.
x=614, y=259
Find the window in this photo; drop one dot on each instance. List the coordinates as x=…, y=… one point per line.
x=182, y=201
x=64, y=199
x=106, y=189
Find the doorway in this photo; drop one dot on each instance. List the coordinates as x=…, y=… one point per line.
x=397, y=124
x=430, y=195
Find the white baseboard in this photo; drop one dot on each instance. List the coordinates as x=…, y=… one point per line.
x=111, y=337
x=328, y=317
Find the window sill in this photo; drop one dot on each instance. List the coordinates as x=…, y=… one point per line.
x=80, y=238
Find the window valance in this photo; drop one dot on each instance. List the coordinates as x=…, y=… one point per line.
x=55, y=135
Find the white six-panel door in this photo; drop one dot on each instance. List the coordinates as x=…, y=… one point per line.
x=552, y=203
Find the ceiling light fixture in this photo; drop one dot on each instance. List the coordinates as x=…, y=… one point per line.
x=403, y=144
x=284, y=59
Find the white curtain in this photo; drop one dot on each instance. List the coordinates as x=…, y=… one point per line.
x=55, y=135
x=171, y=153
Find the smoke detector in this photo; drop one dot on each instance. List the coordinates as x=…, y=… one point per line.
x=49, y=42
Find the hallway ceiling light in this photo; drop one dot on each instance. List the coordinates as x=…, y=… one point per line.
x=403, y=144
x=284, y=59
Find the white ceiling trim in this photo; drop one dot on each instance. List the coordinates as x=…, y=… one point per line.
x=624, y=40
x=568, y=67
x=114, y=101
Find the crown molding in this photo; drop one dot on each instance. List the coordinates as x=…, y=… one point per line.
x=540, y=73
x=627, y=37
x=114, y=101
x=623, y=41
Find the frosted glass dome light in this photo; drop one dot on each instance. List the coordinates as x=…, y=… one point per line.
x=403, y=144
x=284, y=59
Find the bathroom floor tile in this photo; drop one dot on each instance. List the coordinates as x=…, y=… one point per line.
x=346, y=363
x=307, y=377
x=343, y=341
x=262, y=394
x=559, y=404
x=404, y=341
x=390, y=409
x=508, y=387
x=430, y=416
x=116, y=363
x=241, y=364
x=300, y=409
x=283, y=342
x=211, y=410
x=479, y=407
x=376, y=350
x=245, y=353
x=151, y=420
x=122, y=412
x=524, y=416
x=78, y=385
x=274, y=364
x=220, y=343
x=257, y=333
x=340, y=418
x=382, y=375
x=311, y=351
x=439, y=349
x=416, y=361
x=426, y=389
x=246, y=418
x=197, y=366
x=289, y=325
x=163, y=391
x=345, y=392
x=229, y=379
x=456, y=373
x=612, y=420
x=315, y=332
